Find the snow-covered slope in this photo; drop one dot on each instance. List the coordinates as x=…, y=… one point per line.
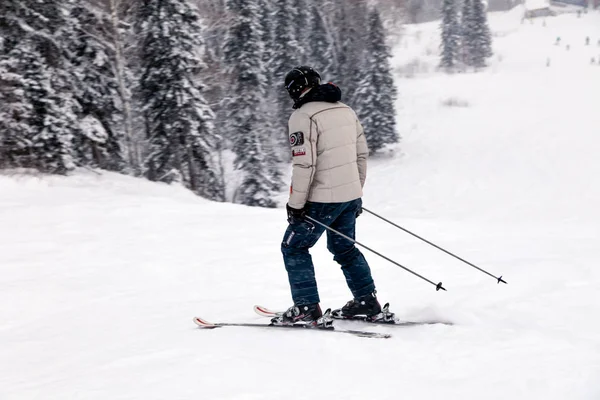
x=537, y=4
x=101, y=275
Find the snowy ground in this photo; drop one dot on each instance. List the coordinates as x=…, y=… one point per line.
x=100, y=275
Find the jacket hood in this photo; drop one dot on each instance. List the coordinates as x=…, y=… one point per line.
x=328, y=92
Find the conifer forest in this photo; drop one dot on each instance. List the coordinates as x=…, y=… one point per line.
x=191, y=91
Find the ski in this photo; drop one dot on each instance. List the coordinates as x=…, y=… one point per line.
x=395, y=323
x=204, y=324
x=265, y=312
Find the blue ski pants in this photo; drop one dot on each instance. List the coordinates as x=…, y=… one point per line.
x=303, y=234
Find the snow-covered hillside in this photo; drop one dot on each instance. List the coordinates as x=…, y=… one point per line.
x=100, y=276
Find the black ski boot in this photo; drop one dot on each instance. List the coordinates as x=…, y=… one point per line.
x=366, y=308
x=310, y=315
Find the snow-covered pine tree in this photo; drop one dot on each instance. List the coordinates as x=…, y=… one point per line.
x=125, y=80
x=247, y=120
x=341, y=28
x=394, y=15
x=377, y=93
x=266, y=25
x=479, y=35
x=215, y=75
x=330, y=12
x=181, y=137
x=216, y=19
x=37, y=94
x=286, y=55
x=302, y=20
x=271, y=138
x=466, y=33
x=286, y=47
x=21, y=70
x=321, y=46
x=214, y=12
x=54, y=142
x=451, y=35
x=14, y=131
x=37, y=112
x=352, y=26
x=93, y=69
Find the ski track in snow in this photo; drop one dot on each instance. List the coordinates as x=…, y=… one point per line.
x=100, y=276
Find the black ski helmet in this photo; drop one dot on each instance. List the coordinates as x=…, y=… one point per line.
x=299, y=79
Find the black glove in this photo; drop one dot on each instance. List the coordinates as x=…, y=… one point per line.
x=294, y=214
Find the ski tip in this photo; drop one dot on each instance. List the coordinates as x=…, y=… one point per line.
x=261, y=310
x=264, y=312
x=202, y=323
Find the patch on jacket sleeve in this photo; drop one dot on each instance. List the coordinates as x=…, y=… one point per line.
x=297, y=139
x=299, y=152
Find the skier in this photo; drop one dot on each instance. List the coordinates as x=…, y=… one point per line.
x=329, y=158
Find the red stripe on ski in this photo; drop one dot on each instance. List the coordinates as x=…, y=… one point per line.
x=265, y=312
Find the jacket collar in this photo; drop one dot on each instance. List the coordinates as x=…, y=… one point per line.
x=328, y=92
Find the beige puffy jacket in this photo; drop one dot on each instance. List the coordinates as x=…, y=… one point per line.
x=329, y=154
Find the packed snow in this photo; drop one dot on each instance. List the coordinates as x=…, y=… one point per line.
x=101, y=274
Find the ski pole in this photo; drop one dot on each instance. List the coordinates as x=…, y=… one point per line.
x=438, y=286
x=436, y=246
